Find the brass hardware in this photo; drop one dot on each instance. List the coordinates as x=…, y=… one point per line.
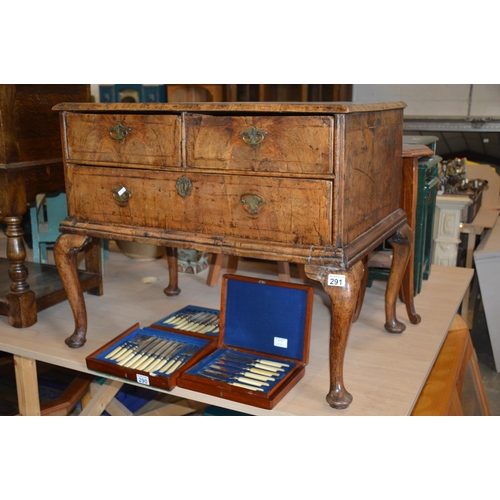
x=121, y=195
x=183, y=186
x=119, y=132
x=254, y=202
x=253, y=136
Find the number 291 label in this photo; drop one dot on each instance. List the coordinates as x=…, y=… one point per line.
x=336, y=280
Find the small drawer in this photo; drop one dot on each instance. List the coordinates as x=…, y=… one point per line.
x=290, y=211
x=284, y=144
x=144, y=140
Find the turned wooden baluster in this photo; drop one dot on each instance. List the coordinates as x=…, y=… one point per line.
x=343, y=304
x=66, y=250
x=21, y=300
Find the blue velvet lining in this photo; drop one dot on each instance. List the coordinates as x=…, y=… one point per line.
x=261, y=316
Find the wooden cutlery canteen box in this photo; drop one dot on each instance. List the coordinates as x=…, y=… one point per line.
x=254, y=351
x=263, y=343
x=155, y=356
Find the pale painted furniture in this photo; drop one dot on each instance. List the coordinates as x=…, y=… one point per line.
x=447, y=229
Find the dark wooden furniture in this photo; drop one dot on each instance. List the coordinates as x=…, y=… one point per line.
x=418, y=201
x=316, y=184
x=31, y=163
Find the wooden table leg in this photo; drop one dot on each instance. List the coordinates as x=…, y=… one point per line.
x=27, y=386
x=66, y=250
x=173, y=273
x=344, y=297
x=102, y=398
x=21, y=300
x=400, y=279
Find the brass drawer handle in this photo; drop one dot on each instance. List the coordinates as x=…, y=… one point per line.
x=121, y=195
x=119, y=132
x=183, y=186
x=254, y=202
x=253, y=136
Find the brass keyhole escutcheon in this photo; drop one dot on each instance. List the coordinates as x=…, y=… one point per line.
x=121, y=195
x=253, y=201
x=253, y=136
x=119, y=132
x=183, y=186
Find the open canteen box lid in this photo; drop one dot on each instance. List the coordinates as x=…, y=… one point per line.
x=263, y=344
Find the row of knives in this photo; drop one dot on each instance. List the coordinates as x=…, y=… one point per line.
x=152, y=354
x=244, y=370
x=194, y=320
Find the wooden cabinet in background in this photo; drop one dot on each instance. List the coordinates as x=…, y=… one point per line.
x=277, y=92
x=262, y=92
x=30, y=163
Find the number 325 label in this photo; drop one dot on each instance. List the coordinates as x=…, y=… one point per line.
x=336, y=280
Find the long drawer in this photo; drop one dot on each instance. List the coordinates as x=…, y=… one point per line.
x=284, y=144
x=275, y=209
x=146, y=140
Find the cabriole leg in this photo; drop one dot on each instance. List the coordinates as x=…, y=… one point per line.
x=400, y=280
x=66, y=250
x=343, y=303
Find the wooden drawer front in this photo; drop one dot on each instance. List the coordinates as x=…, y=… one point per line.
x=151, y=139
x=287, y=143
x=291, y=211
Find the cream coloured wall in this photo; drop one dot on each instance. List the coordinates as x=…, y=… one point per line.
x=440, y=100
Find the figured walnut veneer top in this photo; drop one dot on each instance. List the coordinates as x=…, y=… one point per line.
x=237, y=107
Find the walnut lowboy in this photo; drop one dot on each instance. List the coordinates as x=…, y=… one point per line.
x=312, y=183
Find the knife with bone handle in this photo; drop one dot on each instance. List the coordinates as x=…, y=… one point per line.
x=181, y=358
x=160, y=360
x=192, y=319
x=136, y=343
x=150, y=356
x=268, y=362
x=166, y=369
x=177, y=318
x=255, y=367
x=132, y=358
x=215, y=370
x=194, y=324
x=206, y=325
x=127, y=344
x=209, y=326
x=249, y=372
x=129, y=353
x=240, y=382
x=254, y=362
x=240, y=373
x=160, y=367
x=236, y=384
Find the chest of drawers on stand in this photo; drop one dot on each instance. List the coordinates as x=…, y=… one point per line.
x=310, y=183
